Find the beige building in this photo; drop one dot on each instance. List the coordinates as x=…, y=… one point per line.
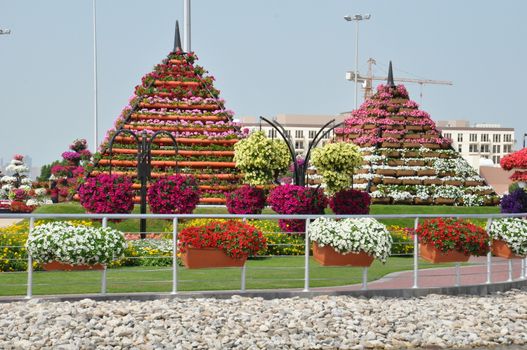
x=481, y=144
x=302, y=128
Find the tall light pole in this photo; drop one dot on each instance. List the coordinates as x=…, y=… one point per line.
x=357, y=19
x=186, y=26
x=95, y=104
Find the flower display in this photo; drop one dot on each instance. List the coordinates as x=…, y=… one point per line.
x=513, y=231
x=107, y=194
x=353, y=235
x=336, y=162
x=236, y=239
x=75, y=244
x=350, y=202
x=175, y=194
x=515, y=202
x=447, y=234
x=246, y=200
x=293, y=199
x=261, y=159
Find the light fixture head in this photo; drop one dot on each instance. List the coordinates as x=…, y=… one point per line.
x=347, y=18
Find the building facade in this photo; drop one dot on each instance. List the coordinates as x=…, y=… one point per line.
x=301, y=128
x=480, y=144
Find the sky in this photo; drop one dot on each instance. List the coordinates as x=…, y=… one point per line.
x=268, y=57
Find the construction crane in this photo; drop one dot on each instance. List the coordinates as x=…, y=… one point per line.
x=367, y=81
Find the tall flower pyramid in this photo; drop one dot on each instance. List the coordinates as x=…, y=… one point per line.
x=406, y=158
x=177, y=97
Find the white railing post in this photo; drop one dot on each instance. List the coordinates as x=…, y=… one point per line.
x=510, y=271
x=458, y=275
x=306, y=258
x=30, y=262
x=489, y=254
x=524, y=268
x=174, y=256
x=416, y=254
x=105, y=268
x=364, y=278
x=243, y=271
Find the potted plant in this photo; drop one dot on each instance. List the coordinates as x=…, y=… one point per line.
x=107, y=194
x=353, y=242
x=451, y=240
x=64, y=246
x=509, y=238
x=219, y=244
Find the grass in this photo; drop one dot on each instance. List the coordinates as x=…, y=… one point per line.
x=132, y=225
x=265, y=273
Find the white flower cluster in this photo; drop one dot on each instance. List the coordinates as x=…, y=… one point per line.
x=353, y=235
x=76, y=245
x=513, y=231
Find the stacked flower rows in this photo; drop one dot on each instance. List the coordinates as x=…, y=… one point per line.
x=178, y=97
x=516, y=161
x=406, y=160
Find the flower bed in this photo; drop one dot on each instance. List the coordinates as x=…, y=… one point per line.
x=513, y=231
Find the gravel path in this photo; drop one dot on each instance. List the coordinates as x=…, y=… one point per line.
x=253, y=323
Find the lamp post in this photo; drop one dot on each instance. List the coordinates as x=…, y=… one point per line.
x=357, y=19
x=95, y=102
x=524, y=136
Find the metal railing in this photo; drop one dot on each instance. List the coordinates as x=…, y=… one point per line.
x=415, y=268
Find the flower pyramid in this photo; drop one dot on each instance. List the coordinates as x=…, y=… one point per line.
x=406, y=158
x=178, y=97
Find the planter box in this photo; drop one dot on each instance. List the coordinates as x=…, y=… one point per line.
x=432, y=145
x=405, y=172
x=391, y=144
x=447, y=173
x=501, y=248
x=474, y=183
x=411, y=154
x=392, y=135
x=391, y=181
x=403, y=201
x=445, y=201
x=411, y=181
x=360, y=181
x=426, y=172
x=376, y=180
x=209, y=258
x=386, y=172
x=327, y=256
x=431, y=154
x=395, y=162
x=392, y=154
x=381, y=200
x=394, y=127
x=369, y=126
x=454, y=182
x=414, y=127
x=430, y=253
x=412, y=136
x=416, y=163
x=420, y=201
x=411, y=145
x=59, y=266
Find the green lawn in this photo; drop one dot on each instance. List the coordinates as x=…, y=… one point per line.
x=266, y=273
x=161, y=225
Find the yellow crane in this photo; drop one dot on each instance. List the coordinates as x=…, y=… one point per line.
x=367, y=81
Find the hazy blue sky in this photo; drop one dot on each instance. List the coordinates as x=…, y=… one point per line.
x=268, y=57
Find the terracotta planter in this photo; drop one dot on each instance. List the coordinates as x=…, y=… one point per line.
x=411, y=145
x=447, y=173
x=163, y=140
x=411, y=154
x=369, y=126
x=404, y=201
x=430, y=154
x=395, y=162
x=405, y=172
x=176, y=83
x=420, y=201
x=414, y=127
x=209, y=258
x=376, y=180
x=391, y=181
x=445, y=201
x=391, y=144
x=392, y=135
x=327, y=256
x=474, y=183
x=412, y=136
x=430, y=253
x=501, y=248
x=412, y=181
x=208, y=118
x=381, y=200
x=178, y=106
x=59, y=266
x=386, y=172
x=393, y=154
x=426, y=172
x=175, y=128
x=454, y=182
x=432, y=145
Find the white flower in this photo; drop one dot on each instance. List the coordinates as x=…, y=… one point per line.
x=513, y=231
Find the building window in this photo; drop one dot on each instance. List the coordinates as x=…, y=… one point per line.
x=447, y=136
x=496, y=138
x=507, y=148
x=507, y=138
x=473, y=148
x=496, y=148
x=288, y=133
x=485, y=149
x=312, y=134
x=299, y=144
x=459, y=137
x=485, y=138
x=460, y=148
x=496, y=159
x=473, y=137
x=272, y=133
x=299, y=134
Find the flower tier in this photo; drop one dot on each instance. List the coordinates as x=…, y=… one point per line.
x=430, y=253
x=406, y=160
x=179, y=98
x=328, y=256
x=203, y=258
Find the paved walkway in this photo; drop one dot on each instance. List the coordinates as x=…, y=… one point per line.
x=445, y=277
x=8, y=222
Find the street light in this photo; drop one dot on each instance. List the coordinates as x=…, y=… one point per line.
x=95, y=102
x=5, y=31
x=357, y=19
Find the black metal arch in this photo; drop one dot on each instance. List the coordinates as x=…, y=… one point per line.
x=149, y=145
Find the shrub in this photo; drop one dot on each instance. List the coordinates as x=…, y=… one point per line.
x=237, y=240
x=353, y=236
x=515, y=202
x=292, y=199
x=447, y=234
x=76, y=245
x=107, y=194
x=176, y=194
x=513, y=231
x=246, y=200
x=350, y=202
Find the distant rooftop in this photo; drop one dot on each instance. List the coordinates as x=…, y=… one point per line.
x=465, y=125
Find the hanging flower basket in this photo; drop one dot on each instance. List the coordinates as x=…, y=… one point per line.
x=501, y=248
x=430, y=253
x=328, y=256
